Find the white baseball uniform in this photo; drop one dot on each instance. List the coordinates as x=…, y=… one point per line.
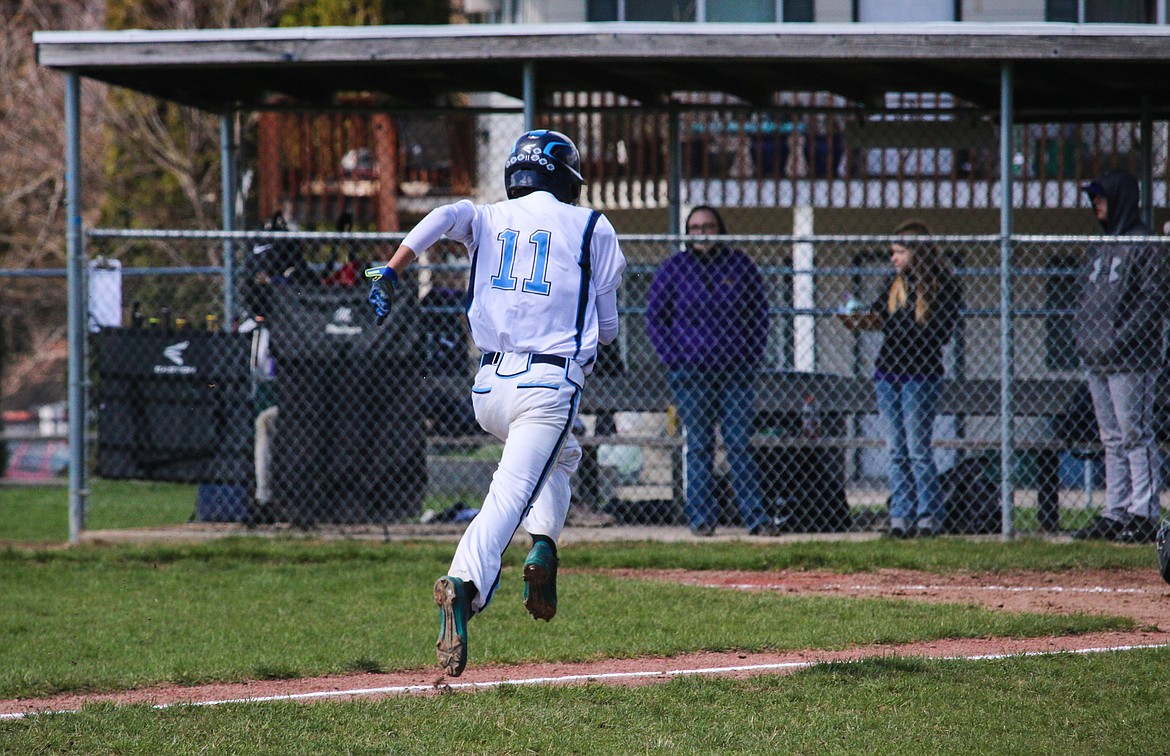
x=544, y=276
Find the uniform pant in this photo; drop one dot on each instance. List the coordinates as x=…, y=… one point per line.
x=265, y=434
x=1124, y=405
x=530, y=407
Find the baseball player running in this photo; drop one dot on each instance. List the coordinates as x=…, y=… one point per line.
x=542, y=294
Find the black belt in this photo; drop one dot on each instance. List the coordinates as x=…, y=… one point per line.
x=493, y=358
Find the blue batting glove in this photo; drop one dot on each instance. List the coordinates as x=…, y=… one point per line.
x=382, y=282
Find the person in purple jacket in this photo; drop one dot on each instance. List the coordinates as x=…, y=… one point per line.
x=707, y=317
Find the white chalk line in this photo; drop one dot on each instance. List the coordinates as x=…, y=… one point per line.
x=919, y=587
x=568, y=679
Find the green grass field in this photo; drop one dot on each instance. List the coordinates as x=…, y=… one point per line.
x=1097, y=704
x=40, y=513
x=97, y=618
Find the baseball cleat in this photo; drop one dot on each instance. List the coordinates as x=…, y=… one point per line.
x=540, y=581
x=454, y=602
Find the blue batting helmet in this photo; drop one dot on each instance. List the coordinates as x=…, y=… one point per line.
x=544, y=160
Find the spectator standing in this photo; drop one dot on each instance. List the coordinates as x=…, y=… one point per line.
x=1119, y=337
x=917, y=315
x=707, y=316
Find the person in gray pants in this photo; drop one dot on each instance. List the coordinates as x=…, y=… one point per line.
x=1119, y=337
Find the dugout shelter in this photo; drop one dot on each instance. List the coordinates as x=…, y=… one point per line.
x=1021, y=73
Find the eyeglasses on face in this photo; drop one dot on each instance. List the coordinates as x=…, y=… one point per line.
x=702, y=227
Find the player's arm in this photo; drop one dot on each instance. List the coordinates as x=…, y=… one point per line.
x=609, y=263
x=402, y=259
x=607, y=316
x=449, y=220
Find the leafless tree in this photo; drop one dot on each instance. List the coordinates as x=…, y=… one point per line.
x=32, y=180
x=124, y=137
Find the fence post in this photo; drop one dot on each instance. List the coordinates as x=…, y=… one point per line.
x=803, y=290
x=227, y=176
x=529, y=85
x=1146, y=156
x=76, y=327
x=674, y=185
x=1006, y=411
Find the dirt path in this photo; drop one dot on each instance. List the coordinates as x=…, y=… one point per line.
x=1140, y=594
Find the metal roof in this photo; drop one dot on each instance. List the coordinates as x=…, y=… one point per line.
x=1060, y=71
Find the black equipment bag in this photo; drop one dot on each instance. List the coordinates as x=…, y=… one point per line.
x=174, y=405
x=350, y=444
x=972, y=498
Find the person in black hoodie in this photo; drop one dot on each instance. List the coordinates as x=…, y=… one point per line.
x=1118, y=327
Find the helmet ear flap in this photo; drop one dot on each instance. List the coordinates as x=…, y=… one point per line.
x=520, y=183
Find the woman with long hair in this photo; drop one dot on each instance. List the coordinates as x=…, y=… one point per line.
x=917, y=315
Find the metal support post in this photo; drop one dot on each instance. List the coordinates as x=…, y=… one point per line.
x=76, y=276
x=529, y=96
x=1146, y=156
x=1006, y=403
x=227, y=177
x=674, y=185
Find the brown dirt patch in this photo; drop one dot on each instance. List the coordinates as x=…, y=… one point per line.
x=1140, y=594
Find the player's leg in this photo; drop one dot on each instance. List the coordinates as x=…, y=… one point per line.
x=548, y=512
x=453, y=596
x=1118, y=486
x=695, y=399
x=544, y=522
x=455, y=592
x=540, y=425
x=265, y=438
x=902, y=494
x=1133, y=395
x=919, y=401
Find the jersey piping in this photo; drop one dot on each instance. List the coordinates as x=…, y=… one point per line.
x=586, y=276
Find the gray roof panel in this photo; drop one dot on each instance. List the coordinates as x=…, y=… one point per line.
x=1072, y=71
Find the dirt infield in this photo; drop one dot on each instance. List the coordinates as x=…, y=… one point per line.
x=1140, y=594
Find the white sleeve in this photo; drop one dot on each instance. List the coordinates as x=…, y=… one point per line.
x=607, y=259
x=454, y=220
x=607, y=316
x=608, y=264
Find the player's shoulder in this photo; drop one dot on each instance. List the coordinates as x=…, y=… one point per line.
x=467, y=207
x=463, y=209
x=602, y=226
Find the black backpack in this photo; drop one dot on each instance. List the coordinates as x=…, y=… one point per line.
x=971, y=496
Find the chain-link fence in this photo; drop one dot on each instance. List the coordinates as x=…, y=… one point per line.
x=279, y=399
x=299, y=410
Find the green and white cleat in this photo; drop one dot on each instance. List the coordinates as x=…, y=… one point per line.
x=540, y=581
x=454, y=602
